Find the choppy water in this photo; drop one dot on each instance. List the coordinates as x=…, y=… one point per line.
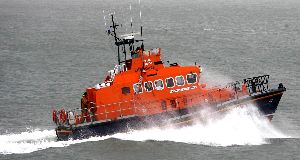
x=51, y=50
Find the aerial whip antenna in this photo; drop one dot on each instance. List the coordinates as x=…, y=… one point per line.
x=131, y=24
x=141, y=18
x=104, y=17
x=142, y=46
x=140, y=14
x=130, y=18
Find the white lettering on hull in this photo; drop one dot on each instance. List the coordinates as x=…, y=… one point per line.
x=183, y=89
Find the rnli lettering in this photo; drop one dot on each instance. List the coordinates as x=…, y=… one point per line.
x=183, y=89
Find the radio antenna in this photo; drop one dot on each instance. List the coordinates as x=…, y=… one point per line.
x=130, y=18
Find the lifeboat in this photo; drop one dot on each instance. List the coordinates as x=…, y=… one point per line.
x=142, y=91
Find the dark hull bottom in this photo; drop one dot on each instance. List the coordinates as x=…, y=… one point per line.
x=267, y=103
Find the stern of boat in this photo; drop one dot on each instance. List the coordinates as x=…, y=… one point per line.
x=63, y=133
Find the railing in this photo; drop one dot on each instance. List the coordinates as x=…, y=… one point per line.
x=93, y=113
x=254, y=85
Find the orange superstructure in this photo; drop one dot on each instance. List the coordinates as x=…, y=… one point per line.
x=148, y=90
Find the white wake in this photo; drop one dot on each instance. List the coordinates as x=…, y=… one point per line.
x=241, y=126
x=27, y=142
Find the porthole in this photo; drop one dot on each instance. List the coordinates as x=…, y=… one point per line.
x=125, y=90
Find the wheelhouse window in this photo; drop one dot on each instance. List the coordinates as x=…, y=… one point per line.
x=159, y=85
x=191, y=78
x=125, y=90
x=138, y=88
x=179, y=80
x=170, y=82
x=148, y=86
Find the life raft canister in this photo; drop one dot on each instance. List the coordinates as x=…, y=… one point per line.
x=62, y=116
x=54, y=116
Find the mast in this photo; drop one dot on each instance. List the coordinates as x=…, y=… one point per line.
x=126, y=39
x=114, y=25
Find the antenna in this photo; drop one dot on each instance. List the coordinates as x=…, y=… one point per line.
x=126, y=39
x=142, y=46
x=131, y=24
x=130, y=18
x=114, y=26
x=140, y=14
x=104, y=17
x=140, y=11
